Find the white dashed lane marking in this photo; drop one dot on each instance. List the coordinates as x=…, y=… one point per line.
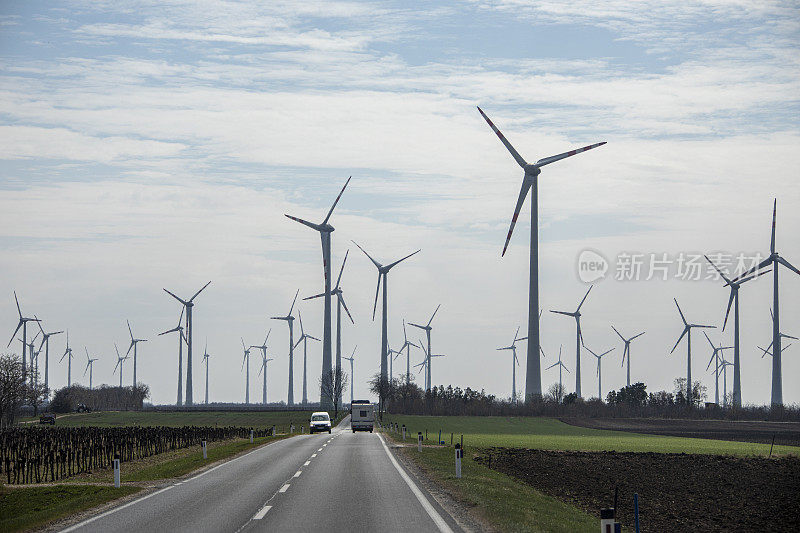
x=259, y=515
x=297, y=474
x=284, y=488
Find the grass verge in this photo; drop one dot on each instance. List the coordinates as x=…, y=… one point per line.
x=254, y=419
x=496, y=498
x=31, y=507
x=552, y=434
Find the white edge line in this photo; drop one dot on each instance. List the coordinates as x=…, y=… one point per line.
x=435, y=516
x=121, y=507
x=114, y=510
x=259, y=515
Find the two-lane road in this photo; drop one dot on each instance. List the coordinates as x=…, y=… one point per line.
x=337, y=482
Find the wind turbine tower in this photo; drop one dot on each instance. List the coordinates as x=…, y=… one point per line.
x=46, y=344
x=530, y=181
x=578, y=341
x=325, y=231
x=304, y=339
x=90, y=366
x=263, y=348
x=352, y=383
x=246, y=362
x=68, y=354
x=120, y=361
x=181, y=340
x=290, y=322
x=133, y=344
x=427, y=328
x=188, y=305
x=514, y=363
x=206, y=355
x=263, y=368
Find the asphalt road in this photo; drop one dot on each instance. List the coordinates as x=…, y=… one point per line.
x=339, y=482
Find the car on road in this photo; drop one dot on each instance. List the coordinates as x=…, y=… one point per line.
x=48, y=418
x=362, y=415
x=320, y=421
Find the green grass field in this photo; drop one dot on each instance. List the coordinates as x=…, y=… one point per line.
x=255, y=419
x=551, y=434
x=31, y=507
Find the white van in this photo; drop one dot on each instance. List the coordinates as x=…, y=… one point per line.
x=320, y=421
x=362, y=415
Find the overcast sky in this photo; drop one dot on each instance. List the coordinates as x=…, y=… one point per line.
x=159, y=144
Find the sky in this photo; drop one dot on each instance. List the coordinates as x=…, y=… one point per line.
x=150, y=145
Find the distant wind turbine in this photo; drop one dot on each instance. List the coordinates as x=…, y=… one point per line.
x=181, y=339
x=578, y=340
x=263, y=348
x=626, y=352
x=383, y=275
x=514, y=363
x=407, y=347
x=530, y=181
x=687, y=330
x=560, y=366
x=427, y=362
x=23, y=323
x=716, y=356
x=46, y=343
x=304, y=339
x=352, y=383
x=120, y=361
x=325, y=231
x=263, y=368
x=246, y=362
x=427, y=328
x=68, y=354
x=206, y=356
x=90, y=366
x=189, y=305
x=290, y=322
x=734, y=299
x=599, y=369
x=134, y=343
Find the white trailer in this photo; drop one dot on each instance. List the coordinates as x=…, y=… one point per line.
x=362, y=415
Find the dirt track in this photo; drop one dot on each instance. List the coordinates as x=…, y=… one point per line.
x=787, y=433
x=677, y=492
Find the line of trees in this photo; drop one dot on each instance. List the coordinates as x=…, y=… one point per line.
x=628, y=402
x=102, y=398
x=17, y=390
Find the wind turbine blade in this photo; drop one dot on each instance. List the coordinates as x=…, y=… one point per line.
x=518, y=158
x=15, y=333
x=635, y=336
x=553, y=158
x=772, y=237
x=727, y=281
x=293, y=302
x=436, y=311
x=515, y=335
x=584, y=298
x=551, y=366
x=337, y=200
x=129, y=328
x=377, y=265
x=606, y=352
x=315, y=296
x=346, y=310
x=563, y=313
x=243, y=346
x=401, y=260
x=377, y=291
x=789, y=336
x=728, y=310
x=299, y=341
x=313, y=338
x=300, y=315
x=788, y=265
x=624, y=354
x=681, y=312
x=766, y=262
x=709, y=341
x=416, y=325
x=711, y=360
x=685, y=329
x=201, y=290
x=523, y=193
x=18, y=308
x=173, y=295
x=39, y=323
x=304, y=222
x=341, y=270
x=267, y=337
x=618, y=333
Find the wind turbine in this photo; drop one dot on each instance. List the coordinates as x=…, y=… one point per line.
x=68, y=352
x=626, y=353
x=734, y=299
x=46, y=343
x=325, y=231
x=724, y=365
x=407, y=347
x=383, y=272
x=304, y=339
x=578, y=340
x=31, y=356
x=427, y=361
x=90, y=366
x=781, y=335
x=715, y=356
x=514, y=363
x=120, y=361
x=530, y=181
x=290, y=322
x=427, y=328
x=206, y=356
x=263, y=368
x=687, y=330
x=599, y=370
x=188, y=304
x=23, y=323
x=774, y=260
x=340, y=303
x=181, y=340
x=246, y=362
x=560, y=366
x=263, y=349
x=351, y=359
x=133, y=344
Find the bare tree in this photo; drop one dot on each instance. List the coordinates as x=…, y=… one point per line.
x=12, y=388
x=333, y=386
x=555, y=393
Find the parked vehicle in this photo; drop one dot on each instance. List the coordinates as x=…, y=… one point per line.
x=48, y=418
x=320, y=421
x=362, y=415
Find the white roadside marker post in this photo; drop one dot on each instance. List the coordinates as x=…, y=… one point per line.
x=404, y=432
x=251, y=436
x=419, y=441
x=205, y=451
x=116, y=470
x=459, y=455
